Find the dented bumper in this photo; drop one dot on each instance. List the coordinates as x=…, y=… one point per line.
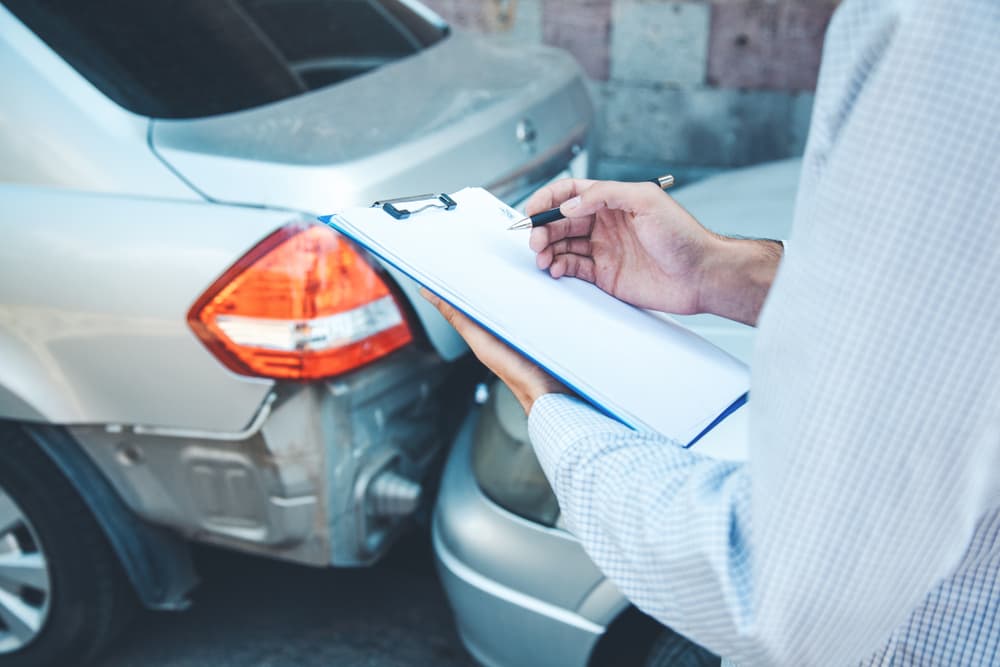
x=324, y=474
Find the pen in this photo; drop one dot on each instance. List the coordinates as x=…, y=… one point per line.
x=552, y=215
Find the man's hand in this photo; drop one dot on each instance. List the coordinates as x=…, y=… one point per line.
x=636, y=243
x=526, y=380
x=630, y=239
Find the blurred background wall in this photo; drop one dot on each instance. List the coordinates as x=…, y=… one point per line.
x=692, y=87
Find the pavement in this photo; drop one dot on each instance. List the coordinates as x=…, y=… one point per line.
x=254, y=612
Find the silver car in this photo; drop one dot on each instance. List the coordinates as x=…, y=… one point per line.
x=524, y=592
x=185, y=354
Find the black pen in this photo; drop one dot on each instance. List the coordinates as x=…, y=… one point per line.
x=546, y=217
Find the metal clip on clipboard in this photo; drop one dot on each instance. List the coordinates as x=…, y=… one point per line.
x=420, y=203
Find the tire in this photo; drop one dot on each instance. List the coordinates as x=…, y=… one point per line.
x=69, y=598
x=672, y=650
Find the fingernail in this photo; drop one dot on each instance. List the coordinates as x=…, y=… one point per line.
x=571, y=204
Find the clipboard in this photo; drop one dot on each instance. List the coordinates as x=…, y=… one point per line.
x=641, y=368
x=415, y=204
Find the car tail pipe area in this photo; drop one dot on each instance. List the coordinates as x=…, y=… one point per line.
x=391, y=495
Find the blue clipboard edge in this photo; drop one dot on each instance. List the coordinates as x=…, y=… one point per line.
x=329, y=220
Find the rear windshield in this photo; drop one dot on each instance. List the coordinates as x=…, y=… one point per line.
x=194, y=58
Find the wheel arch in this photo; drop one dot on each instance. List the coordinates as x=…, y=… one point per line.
x=156, y=562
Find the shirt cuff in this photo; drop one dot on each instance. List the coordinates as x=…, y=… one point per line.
x=558, y=421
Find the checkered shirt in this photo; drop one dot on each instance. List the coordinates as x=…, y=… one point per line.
x=865, y=526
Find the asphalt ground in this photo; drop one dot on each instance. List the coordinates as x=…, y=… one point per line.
x=255, y=612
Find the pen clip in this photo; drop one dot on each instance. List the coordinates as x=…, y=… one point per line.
x=423, y=202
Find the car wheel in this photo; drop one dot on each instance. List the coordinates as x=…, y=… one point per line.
x=672, y=650
x=63, y=595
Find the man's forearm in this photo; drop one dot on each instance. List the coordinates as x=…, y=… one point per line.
x=737, y=276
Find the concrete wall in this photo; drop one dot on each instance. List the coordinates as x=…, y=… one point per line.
x=691, y=86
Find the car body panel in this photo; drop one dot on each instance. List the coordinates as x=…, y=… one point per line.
x=753, y=202
x=493, y=565
x=508, y=548
x=377, y=136
x=526, y=594
x=299, y=482
x=95, y=292
x=57, y=129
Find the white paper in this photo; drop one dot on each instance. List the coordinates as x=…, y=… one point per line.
x=650, y=373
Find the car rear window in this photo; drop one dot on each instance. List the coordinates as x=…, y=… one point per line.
x=194, y=58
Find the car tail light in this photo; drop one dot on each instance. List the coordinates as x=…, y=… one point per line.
x=302, y=305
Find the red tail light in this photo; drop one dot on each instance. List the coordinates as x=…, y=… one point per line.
x=302, y=305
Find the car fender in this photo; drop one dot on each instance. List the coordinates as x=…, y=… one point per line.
x=156, y=561
x=94, y=295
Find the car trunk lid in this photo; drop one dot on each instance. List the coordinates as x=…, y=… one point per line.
x=463, y=112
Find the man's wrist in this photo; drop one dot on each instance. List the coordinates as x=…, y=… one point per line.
x=736, y=277
x=537, y=386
